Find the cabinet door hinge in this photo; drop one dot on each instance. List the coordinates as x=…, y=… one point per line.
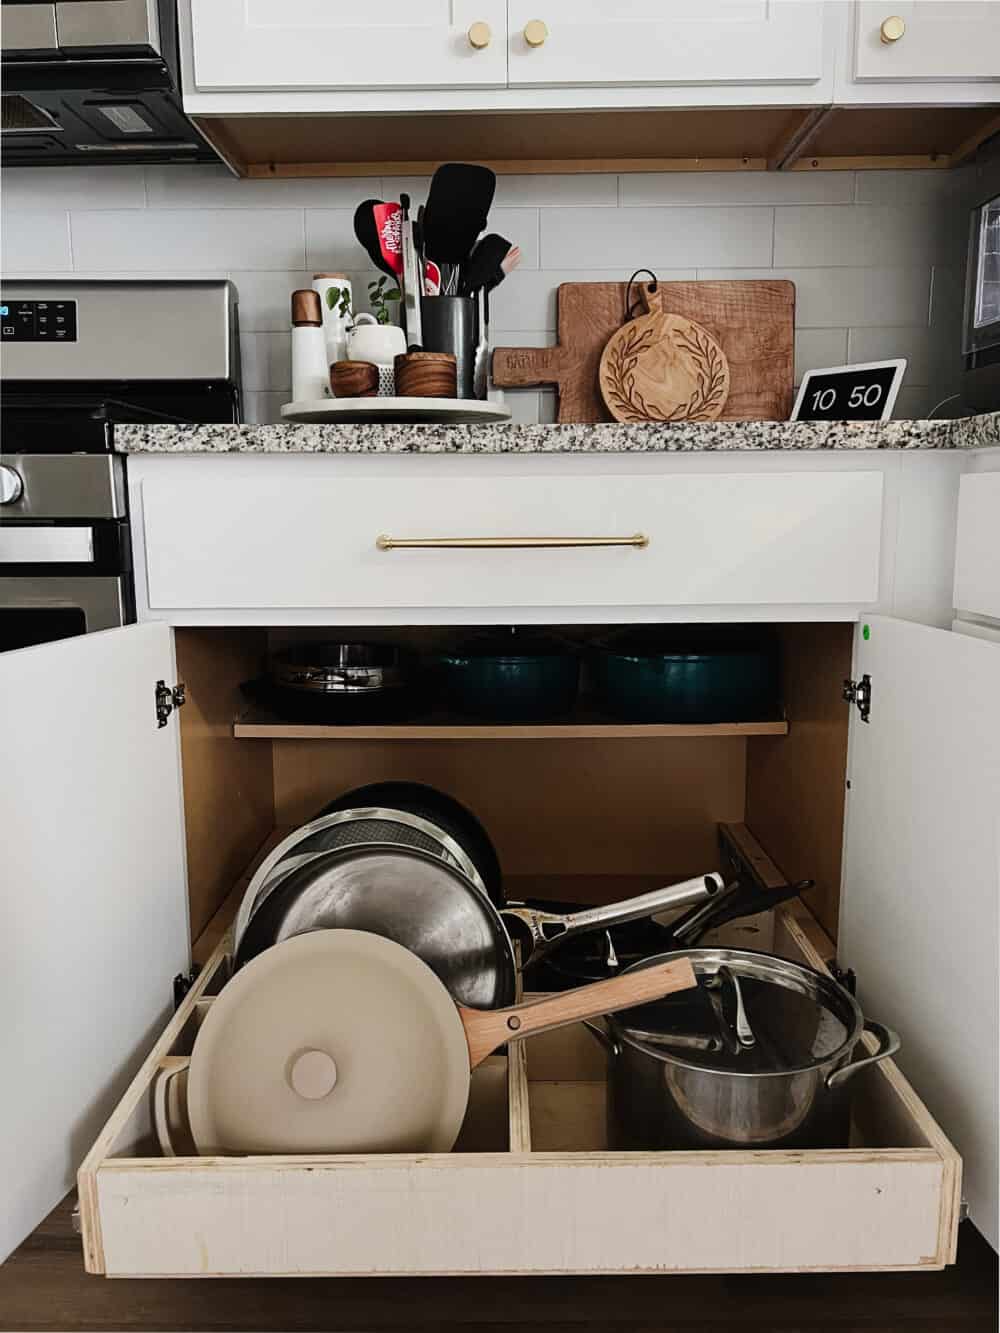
x=860, y=692
x=168, y=697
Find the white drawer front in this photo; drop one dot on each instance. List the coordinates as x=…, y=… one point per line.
x=309, y=543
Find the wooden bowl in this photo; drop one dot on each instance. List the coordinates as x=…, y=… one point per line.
x=354, y=379
x=426, y=375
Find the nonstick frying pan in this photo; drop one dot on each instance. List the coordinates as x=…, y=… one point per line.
x=342, y=1041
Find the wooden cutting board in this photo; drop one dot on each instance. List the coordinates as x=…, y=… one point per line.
x=753, y=321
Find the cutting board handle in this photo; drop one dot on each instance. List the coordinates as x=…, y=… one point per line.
x=486, y=1029
x=526, y=367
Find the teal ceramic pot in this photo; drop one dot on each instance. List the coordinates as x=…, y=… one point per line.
x=685, y=673
x=510, y=678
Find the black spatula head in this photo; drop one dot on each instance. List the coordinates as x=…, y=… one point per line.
x=456, y=211
x=366, y=230
x=482, y=266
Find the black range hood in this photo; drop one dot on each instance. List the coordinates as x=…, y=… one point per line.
x=85, y=82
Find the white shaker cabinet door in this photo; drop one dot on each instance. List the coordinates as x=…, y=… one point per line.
x=326, y=44
x=663, y=42
x=977, y=553
x=919, y=911
x=938, y=40
x=93, y=898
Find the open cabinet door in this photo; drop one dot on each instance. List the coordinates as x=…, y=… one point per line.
x=94, y=902
x=922, y=876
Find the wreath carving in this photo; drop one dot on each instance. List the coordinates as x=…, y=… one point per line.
x=663, y=367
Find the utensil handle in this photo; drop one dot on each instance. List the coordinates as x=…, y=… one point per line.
x=165, y=1075
x=685, y=894
x=486, y=1029
x=384, y=543
x=888, y=1044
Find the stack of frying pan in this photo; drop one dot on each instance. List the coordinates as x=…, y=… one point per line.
x=376, y=964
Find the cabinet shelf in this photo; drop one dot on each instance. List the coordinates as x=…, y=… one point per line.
x=259, y=725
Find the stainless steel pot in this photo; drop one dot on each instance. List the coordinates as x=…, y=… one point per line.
x=432, y=909
x=761, y=1055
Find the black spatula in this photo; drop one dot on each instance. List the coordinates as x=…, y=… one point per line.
x=456, y=211
x=483, y=264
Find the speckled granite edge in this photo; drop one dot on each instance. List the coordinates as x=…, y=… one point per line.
x=604, y=438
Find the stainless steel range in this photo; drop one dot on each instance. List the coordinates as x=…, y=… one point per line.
x=78, y=359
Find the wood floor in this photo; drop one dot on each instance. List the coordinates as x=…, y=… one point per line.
x=43, y=1287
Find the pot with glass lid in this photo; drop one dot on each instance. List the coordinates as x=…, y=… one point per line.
x=760, y=1055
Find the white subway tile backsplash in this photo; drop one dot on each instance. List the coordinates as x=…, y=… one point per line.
x=579, y=191
x=524, y=405
x=26, y=189
x=520, y=226
x=331, y=246
x=163, y=240
x=817, y=348
x=598, y=238
x=527, y=300
x=727, y=188
x=263, y=409
x=878, y=253
x=265, y=298
x=204, y=185
x=875, y=344
x=267, y=360
x=909, y=188
x=36, y=242
x=840, y=297
x=861, y=235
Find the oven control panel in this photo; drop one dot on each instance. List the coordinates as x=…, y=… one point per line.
x=38, y=321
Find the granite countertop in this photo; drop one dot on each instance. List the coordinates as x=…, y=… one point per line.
x=610, y=438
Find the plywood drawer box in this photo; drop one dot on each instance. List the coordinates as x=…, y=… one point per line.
x=536, y=1191
x=300, y=535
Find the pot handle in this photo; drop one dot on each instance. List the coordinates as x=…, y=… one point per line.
x=165, y=1075
x=889, y=1044
x=602, y=1036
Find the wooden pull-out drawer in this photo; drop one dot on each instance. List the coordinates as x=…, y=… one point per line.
x=288, y=535
x=534, y=1189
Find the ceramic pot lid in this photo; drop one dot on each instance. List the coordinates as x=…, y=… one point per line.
x=337, y=1041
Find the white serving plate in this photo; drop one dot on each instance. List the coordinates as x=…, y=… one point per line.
x=452, y=411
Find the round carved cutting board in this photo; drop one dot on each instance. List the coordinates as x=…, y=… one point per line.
x=663, y=367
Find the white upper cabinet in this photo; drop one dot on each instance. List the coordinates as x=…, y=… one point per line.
x=302, y=44
x=925, y=41
x=662, y=42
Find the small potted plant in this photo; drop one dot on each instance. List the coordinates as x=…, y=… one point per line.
x=374, y=337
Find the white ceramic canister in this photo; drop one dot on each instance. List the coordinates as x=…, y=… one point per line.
x=331, y=288
x=380, y=344
x=310, y=368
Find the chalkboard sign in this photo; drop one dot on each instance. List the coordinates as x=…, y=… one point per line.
x=850, y=393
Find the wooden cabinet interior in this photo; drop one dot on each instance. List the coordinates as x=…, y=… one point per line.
x=267, y=146
x=588, y=819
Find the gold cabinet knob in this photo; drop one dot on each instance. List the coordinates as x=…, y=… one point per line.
x=535, y=32
x=480, y=35
x=892, y=29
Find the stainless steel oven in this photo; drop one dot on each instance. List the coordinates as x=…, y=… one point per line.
x=65, y=557
x=981, y=349
x=80, y=358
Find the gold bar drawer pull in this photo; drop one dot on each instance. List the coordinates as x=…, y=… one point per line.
x=384, y=543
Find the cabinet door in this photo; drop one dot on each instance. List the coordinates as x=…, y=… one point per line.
x=94, y=898
x=918, y=918
x=943, y=39
x=977, y=552
x=666, y=42
x=296, y=44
